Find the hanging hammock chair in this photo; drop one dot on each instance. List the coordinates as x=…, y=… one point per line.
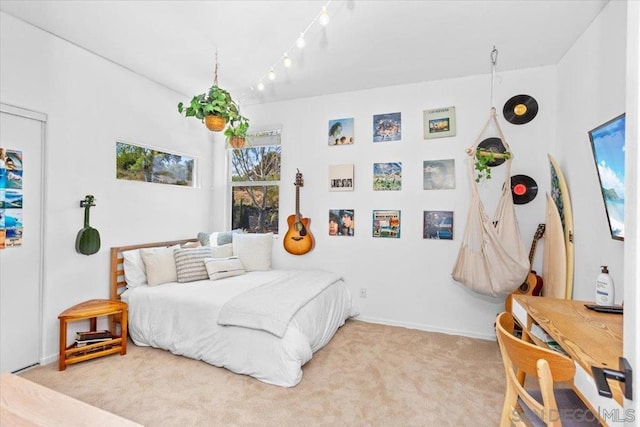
x=492, y=259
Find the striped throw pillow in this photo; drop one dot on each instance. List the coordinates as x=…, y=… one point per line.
x=190, y=263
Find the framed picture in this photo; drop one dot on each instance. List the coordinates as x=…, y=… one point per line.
x=341, y=131
x=387, y=127
x=607, y=145
x=438, y=174
x=386, y=224
x=146, y=164
x=341, y=222
x=387, y=176
x=341, y=177
x=440, y=122
x=438, y=225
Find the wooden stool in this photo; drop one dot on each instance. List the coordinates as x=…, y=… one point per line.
x=92, y=309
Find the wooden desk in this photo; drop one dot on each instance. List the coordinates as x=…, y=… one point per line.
x=25, y=403
x=589, y=338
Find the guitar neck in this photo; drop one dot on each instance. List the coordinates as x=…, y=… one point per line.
x=297, y=203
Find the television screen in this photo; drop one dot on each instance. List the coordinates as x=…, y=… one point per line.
x=607, y=144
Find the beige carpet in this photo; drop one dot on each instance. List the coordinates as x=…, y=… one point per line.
x=368, y=375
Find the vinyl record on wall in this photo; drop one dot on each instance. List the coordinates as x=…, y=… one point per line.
x=520, y=109
x=493, y=145
x=523, y=189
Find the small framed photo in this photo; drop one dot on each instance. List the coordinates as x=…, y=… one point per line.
x=438, y=174
x=341, y=222
x=386, y=224
x=387, y=176
x=341, y=177
x=440, y=122
x=438, y=225
x=387, y=127
x=341, y=132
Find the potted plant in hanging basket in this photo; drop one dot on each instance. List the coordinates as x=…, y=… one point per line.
x=214, y=107
x=485, y=160
x=236, y=132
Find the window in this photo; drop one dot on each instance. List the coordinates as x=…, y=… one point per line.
x=255, y=183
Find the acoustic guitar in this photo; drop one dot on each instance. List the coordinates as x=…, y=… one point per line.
x=298, y=240
x=533, y=284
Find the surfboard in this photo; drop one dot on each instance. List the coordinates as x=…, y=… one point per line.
x=554, y=260
x=560, y=195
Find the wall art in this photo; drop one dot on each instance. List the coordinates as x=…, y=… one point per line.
x=440, y=122
x=11, y=198
x=386, y=223
x=341, y=131
x=438, y=174
x=341, y=177
x=341, y=222
x=139, y=163
x=387, y=127
x=438, y=225
x=387, y=176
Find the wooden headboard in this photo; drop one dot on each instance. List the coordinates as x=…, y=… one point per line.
x=116, y=273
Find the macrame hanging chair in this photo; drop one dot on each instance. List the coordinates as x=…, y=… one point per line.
x=492, y=259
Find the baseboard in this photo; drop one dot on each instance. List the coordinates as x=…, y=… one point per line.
x=426, y=328
x=49, y=359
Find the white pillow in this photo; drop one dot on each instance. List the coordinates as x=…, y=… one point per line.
x=254, y=250
x=224, y=251
x=159, y=264
x=190, y=263
x=219, y=268
x=133, y=266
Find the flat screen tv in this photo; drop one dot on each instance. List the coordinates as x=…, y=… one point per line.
x=607, y=144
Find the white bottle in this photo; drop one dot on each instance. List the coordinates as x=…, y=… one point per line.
x=604, y=288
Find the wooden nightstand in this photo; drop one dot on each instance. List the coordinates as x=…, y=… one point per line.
x=92, y=309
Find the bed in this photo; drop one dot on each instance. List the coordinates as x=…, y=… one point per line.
x=263, y=322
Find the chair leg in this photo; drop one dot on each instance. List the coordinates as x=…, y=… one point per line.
x=510, y=402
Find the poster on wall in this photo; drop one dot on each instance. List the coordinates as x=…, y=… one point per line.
x=387, y=176
x=341, y=132
x=11, y=222
x=341, y=222
x=438, y=225
x=387, y=127
x=438, y=174
x=341, y=177
x=386, y=223
x=440, y=122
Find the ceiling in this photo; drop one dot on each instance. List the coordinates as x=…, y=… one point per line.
x=367, y=44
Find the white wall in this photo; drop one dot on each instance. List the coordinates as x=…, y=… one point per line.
x=408, y=280
x=591, y=91
x=90, y=103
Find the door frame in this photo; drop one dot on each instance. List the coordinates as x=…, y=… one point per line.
x=42, y=118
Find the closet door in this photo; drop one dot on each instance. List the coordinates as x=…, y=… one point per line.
x=21, y=266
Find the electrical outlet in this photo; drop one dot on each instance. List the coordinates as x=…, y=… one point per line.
x=363, y=292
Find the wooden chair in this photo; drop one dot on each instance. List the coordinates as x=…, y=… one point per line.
x=547, y=406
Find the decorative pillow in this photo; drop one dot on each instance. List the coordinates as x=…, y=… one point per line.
x=254, y=250
x=159, y=264
x=224, y=251
x=190, y=264
x=133, y=266
x=203, y=238
x=219, y=268
x=220, y=238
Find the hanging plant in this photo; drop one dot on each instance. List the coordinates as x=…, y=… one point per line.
x=485, y=160
x=236, y=132
x=215, y=105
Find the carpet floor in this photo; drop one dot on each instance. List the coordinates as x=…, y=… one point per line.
x=368, y=375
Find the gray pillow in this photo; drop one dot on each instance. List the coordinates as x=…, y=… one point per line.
x=190, y=264
x=217, y=238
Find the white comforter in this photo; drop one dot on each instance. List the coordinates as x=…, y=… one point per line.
x=183, y=318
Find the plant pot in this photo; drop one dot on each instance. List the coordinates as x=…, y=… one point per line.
x=215, y=123
x=237, y=141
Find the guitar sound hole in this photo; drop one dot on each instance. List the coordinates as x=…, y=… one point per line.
x=524, y=287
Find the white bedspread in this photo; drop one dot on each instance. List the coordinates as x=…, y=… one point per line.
x=270, y=307
x=183, y=318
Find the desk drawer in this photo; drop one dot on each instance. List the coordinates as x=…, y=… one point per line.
x=608, y=409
